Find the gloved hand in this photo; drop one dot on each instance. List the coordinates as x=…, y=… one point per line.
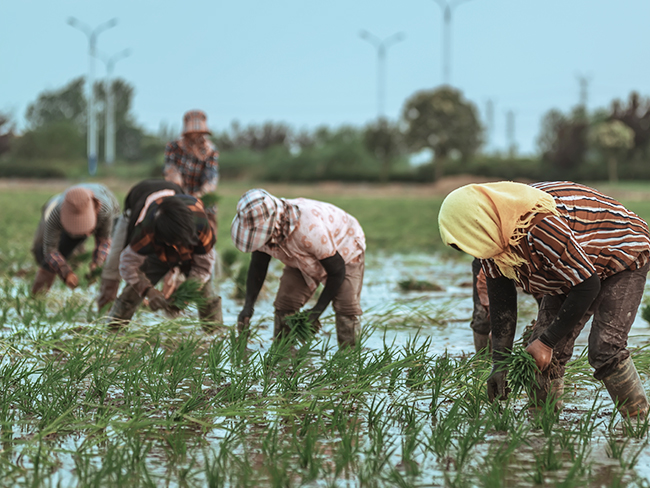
x=157, y=300
x=497, y=385
x=107, y=292
x=71, y=280
x=314, y=317
x=541, y=352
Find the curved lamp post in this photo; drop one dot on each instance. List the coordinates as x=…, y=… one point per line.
x=382, y=46
x=91, y=34
x=447, y=10
x=109, y=126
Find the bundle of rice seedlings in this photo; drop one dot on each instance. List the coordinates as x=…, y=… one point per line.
x=189, y=291
x=210, y=199
x=301, y=326
x=418, y=285
x=522, y=371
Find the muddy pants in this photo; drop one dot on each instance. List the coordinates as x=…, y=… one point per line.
x=613, y=310
x=293, y=293
x=67, y=244
x=154, y=269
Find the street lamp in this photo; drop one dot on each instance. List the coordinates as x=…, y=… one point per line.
x=92, y=47
x=447, y=9
x=109, y=129
x=381, y=46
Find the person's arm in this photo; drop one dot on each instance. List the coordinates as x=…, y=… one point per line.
x=335, y=268
x=503, y=322
x=257, y=270
x=202, y=266
x=210, y=176
x=576, y=304
x=172, y=171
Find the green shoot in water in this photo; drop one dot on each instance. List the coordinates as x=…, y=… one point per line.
x=210, y=199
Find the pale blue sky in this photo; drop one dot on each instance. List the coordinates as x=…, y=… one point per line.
x=303, y=62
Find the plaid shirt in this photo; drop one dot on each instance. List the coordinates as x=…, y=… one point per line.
x=191, y=173
x=143, y=242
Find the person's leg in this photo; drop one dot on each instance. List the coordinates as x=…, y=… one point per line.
x=44, y=277
x=292, y=295
x=618, y=303
x=347, y=307
x=480, y=323
x=127, y=303
x=551, y=381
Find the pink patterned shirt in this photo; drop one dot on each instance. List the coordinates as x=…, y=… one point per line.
x=321, y=230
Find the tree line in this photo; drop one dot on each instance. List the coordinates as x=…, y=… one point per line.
x=607, y=143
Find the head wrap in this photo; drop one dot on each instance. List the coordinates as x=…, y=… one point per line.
x=260, y=219
x=486, y=220
x=194, y=140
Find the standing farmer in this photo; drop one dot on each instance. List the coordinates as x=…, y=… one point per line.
x=585, y=252
x=67, y=220
x=168, y=231
x=318, y=243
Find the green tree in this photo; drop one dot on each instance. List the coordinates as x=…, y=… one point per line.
x=563, y=140
x=613, y=138
x=67, y=104
x=6, y=133
x=443, y=121
x=385, y=141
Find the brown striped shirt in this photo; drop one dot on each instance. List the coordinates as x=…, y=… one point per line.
x=593, y=234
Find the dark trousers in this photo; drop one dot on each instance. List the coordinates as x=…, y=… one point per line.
x=613, y=310
x=67, y=244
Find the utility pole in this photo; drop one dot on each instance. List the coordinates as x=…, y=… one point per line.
x=447, y=10
x=510, y=133
x=92, y=35
x=489, y=117
x=109, y=128
x=584, y=81
x=382, y=46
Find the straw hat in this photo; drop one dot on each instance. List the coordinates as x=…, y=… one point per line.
x=78, y=215
x=253, y=224
x=195, y=121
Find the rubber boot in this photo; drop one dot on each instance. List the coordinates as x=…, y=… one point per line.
x=348, y=328
x=280, y=327
x=626, y=390
x=43, y=281
x=123, y=309
x=551, y=389
x=481, y=342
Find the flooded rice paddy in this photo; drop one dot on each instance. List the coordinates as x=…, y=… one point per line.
x=163, y=404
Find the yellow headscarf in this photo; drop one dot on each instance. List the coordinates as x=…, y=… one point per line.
x=485, y=220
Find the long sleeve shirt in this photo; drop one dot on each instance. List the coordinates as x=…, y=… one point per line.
x=109, y=209
x=196, y=176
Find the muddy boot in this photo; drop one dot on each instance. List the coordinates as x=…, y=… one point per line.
x=481, y=342
x=348, y=328
x=43, y=281
x=626, y=390
x=211, y=315
x=123, y=309
x=547, y=389
x=280, y=327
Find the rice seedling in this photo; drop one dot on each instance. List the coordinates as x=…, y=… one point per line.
x=302, y=327
x=522, y=371
x=210, y=199
x=189, y=291
x=412, y=284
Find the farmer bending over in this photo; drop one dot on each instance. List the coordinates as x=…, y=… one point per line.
x=138, y=196
x=66, y=222
x=170, y=230
x=318, y=243
x=585, y=252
